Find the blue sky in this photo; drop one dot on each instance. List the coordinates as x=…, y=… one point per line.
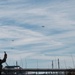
x=26, y=41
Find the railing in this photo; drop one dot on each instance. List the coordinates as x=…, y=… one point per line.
x=38, y=71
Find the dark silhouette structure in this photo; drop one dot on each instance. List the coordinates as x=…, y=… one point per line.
x=2, y=61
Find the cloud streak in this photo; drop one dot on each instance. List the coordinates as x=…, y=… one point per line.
x=22, y=34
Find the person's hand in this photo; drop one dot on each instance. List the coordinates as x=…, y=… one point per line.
x=5, y=54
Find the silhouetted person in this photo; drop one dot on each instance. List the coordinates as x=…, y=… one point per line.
x=2, y=61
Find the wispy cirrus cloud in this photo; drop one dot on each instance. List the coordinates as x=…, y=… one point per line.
x=21, y=29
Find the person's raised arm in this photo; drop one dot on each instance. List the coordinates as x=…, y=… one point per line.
x=5, y=57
